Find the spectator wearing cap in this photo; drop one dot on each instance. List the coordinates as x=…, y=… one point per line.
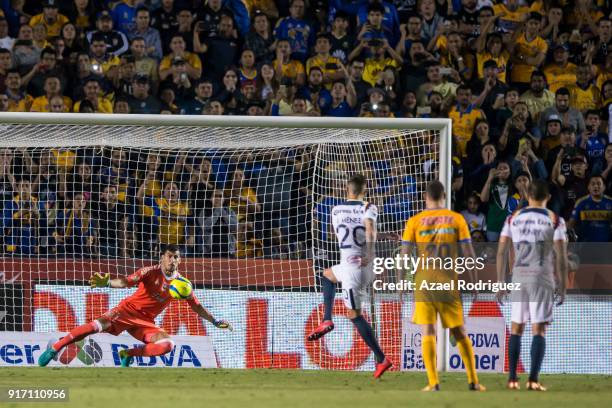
x=592, y=214
x=340, y=39
x=584, y=95
x=91, y=90
x=116, y=41
x=569, y=116
x=6, y=41
x=222, y=50
x=178, y=80
x=52, y=87
x=490, y=89
x=285, y=67
x=150, y=35
x=260, y=39
x=164, y=19
x=538, y=98
x=177, y=47
x=330, y=66
x=124, y=15
x=574, y=185
x=560, y=73
x=491, y=47
x=528, y=51
x=18, y=99
x=203, y=94
x=382, y=56
x=50, y=18
x=102, y=62
x=464, y=115
x=140, y=101
x=552, y=135
x=296, y=30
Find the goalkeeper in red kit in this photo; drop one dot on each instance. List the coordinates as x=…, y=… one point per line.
x=136, y=313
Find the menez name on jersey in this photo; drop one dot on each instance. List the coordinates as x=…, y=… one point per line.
x=459, y=284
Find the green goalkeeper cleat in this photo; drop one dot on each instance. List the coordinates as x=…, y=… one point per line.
x=125, y=358
x=46, y=357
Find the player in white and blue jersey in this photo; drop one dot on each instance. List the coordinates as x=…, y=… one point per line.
x=539, y=239
x=354, y=223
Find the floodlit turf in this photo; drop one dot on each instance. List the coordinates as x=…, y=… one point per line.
x=187, y=388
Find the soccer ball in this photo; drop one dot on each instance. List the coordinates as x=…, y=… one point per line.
x=180, y=288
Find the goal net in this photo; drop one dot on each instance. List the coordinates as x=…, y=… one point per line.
x=247, y=201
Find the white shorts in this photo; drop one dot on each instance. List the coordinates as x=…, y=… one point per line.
x=532, y=303
x=354, y=279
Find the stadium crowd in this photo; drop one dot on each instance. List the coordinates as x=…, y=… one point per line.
x=528, y=85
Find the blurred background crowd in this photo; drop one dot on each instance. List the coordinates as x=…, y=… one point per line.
x=528, y=85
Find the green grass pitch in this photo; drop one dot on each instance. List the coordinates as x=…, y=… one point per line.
x=187, y=388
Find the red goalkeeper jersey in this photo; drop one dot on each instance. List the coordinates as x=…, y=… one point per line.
x=152, y=295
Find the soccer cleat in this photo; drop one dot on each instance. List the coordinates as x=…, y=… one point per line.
x=321, y=330
x=431, y=388
x=382, y=367
x=125, y=358
x=46, y=357
x=534, y=386
x=514, y=385
x=477, y=387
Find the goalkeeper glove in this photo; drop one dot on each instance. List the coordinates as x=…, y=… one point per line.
x=100, y=281
x=222, y=324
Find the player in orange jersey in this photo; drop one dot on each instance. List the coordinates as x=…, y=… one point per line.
x=136, y=313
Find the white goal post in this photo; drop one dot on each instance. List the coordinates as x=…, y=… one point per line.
x=336, y=146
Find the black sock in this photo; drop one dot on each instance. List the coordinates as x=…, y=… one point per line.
x=538, y=346
x=329, y=293
x=366, y=333
x=514, y=351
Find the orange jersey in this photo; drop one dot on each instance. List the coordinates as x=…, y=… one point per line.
x=436, y=233
x=152, y=296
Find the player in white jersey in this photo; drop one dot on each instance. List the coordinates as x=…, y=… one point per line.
x=354, y=223
x=539, y=240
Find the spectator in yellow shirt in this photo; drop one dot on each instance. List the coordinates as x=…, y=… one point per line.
x=528, y=51
x=330, y=66
x=247, y=245
x=538, y=98
x=102, y=63
x=491, y=48
x=584, y=95
x=50, y=18
x=464, y=116
x=91, y=89
x=193, y=63
x=52, y=88
x=560, y=73
x=510, y=14
x=384, y=56
x=285, y=67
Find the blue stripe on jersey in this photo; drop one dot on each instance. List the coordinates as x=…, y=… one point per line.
x=407, y=242
x=542, y=211
x=465, y=240
x=352, y=202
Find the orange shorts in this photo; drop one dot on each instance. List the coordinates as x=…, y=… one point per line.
x=137, y=325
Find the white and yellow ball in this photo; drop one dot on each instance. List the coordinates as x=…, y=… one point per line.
x=180, y=288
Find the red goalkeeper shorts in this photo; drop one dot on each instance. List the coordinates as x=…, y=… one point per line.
x=136, y=324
